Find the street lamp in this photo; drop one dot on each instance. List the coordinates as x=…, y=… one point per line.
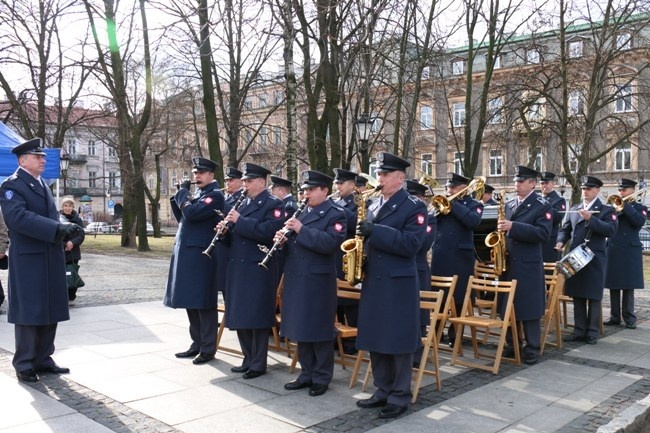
x=64, y=163
x=562, y=181
x=364, y=128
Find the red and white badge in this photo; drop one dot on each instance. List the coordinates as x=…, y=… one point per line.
x=420, y=219
x=277, y=213
x=479, y=210
x=645, y=214
x=207, y=200
x=429, y=229
x=338, y=227
x=614, y=217
x=548, y=216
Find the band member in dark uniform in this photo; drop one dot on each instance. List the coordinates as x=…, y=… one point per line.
x=527, y=226
x=361, y=183
x=389, y=318
x=308, y=315
x=250, y=290
x=234, y=189
x=424, y=270
x=558, y=206
x=625, y=258
x=37, y=292
x=487, y=195
x=453, y=249
x=588, y=284
x=281, y=188
x=192, y=278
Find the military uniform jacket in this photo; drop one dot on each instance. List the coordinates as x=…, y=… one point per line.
x=389, y=306
x=309, y=296
x=250, y=290
x=290, y=206
x=221, y=248
x=192, y=275
x=625, y=252
x=531, y=226
x=453, y=249
x=38, y=292
x=558, y=206
x=424, y=270
x=589, y=281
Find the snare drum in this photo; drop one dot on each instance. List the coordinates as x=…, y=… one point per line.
x=577, y=259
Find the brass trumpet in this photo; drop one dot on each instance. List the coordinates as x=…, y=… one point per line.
x=442, y=204
x=619, y=203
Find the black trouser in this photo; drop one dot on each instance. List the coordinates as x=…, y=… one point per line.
x=628, y=305
x=34, y=346
x=204, y=325
x=392, y=377
x=586, y=317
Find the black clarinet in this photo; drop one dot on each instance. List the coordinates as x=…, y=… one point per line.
x=224, y=228
x=277, y=246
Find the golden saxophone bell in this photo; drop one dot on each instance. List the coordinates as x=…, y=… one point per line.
x=428, y=181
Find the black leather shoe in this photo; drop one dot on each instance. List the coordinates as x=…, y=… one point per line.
x=54, y=369
x=187, y=354
x=592, y=340
x=611, y=322
x=371, y=402
x=27, y=375
x=630, y=325
x=392, y=411
x=252, y=374
x=240, y=369
x=202, y=358
x=573, y=337
x=317, y=389
x=297, y=384
x=531, y=358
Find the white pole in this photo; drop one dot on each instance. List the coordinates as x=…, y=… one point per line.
x=57, y=193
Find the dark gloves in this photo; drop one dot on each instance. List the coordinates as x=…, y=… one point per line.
x=64, y=230
x=364, y=228
x=186, y=184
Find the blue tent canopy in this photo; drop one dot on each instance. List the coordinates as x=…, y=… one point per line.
x=8, y=162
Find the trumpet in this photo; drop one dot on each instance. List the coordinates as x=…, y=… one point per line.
x=619, y=203
x=224, y=228
x=277, y=246
x=442, y=204
x=182, y=181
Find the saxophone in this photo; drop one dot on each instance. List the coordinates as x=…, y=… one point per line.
x=354, y=256
x=497, y=240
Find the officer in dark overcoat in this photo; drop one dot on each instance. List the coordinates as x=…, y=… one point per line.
x=625, y=258
x=192, y=278
x=488, y=191
x=250, y=289
x=527, y=225
x=281, y=188
x=453, y=249
x=232, y=178
x=558, y=208
x=37, y=292
x=308, y=315
x=595, y=221
x=421, y=261
x=389, y=308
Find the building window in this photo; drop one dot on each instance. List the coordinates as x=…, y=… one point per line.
x=72, y=146
x=112, y=152
x=426, y=165
x=458, y=162
x=112, y=179
x=261, y=100
x=574, y=157
x=249, y=138
x=458, y=109
x=377, y=123
x=532, y=56
x=426, y=73
x=497, y=61
x=535, y=111
x=458, y=67
x=495, y=110
x=248, y=104
x=623, y=98
x=537, y=160
x=92, y=179
x=575, y=49
x=624, y=41
x=92, y=148
x=173, y=180
x=263, y=138
x=279, y=97
x=277, y=133
x=496, y=162
x=576, y=103
x=622, y=157
x=426, y=117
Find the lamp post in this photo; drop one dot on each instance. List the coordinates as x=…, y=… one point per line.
x=562, y=181
x=364, y=128
x=64, y=163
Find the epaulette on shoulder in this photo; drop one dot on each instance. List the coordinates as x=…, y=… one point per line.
x=542, y=200
x=414, y=199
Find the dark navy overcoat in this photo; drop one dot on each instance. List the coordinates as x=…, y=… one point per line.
x=389, y=320
x=589, y=282
x=531, y=226
x=38, y=292
x=250, y=289
x=192, y=281
x=625, y=252
x=309, y=296
x=222, y=247
x=422, y=263
x=558, y=206
x=453, y=249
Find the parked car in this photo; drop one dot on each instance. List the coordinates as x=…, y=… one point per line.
x=644, y=236
x=149, y=228
x=98, y=227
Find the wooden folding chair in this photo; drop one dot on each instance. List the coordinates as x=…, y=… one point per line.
x=485, y=305
x=221, y=309
x=275, y=330
x=448, y=284
x=551, y=319
x=432, y=302
x=503, y=291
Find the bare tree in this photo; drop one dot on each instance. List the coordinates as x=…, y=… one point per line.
x=117, y=67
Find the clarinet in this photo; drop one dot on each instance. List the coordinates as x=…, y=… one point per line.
x=224, y=228
x=277, y=246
